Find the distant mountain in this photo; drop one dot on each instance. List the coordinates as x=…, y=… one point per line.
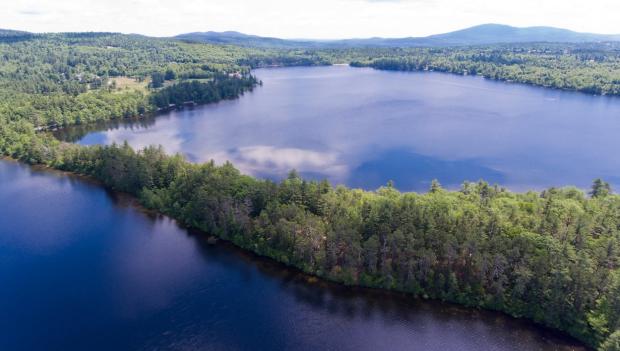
x=9, y=35
x=498, y=33
x=236, y=38
x=12, y=33
x=478, y=35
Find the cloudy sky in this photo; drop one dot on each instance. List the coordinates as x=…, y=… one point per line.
x=325, y=19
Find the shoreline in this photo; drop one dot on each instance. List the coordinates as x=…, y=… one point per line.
x=132, y=201
x=249, y=249
x=505, y=81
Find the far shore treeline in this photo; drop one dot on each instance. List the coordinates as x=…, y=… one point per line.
x=550, y=256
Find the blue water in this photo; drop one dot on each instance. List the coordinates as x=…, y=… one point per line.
x=363, y=127
x=83, y=269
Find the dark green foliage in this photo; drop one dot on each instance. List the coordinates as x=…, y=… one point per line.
x=553, y=257
x=59, y=79
x=600, y=188
x=589, y=68
x=157, y=80
x=221, y=87
x=170, y=74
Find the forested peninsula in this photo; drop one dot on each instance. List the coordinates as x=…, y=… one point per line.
x=551, y=256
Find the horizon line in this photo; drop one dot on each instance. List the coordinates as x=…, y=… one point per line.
x=309, y=39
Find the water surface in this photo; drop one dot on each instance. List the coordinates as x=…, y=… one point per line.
x=83, y=269
x=363, y=127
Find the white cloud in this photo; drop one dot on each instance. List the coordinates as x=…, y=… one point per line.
x=139, y=138
x=307, y=18
x=263, y=159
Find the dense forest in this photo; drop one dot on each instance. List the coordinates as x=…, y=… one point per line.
x=588, y=68
x=60, y=79
x=551, y=256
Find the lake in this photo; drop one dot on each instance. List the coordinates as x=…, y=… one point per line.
x=85, y=269
x=362, y=127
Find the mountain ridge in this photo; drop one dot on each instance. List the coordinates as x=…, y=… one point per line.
x=483, y=34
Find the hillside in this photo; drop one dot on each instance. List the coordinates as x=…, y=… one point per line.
x=497, y=33
x=240, y=39
x=478, y=35
x=8, y=35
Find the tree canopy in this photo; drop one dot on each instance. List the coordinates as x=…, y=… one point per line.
x=551, y=256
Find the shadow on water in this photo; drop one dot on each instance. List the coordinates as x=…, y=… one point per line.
x=75, y=133
x=413, y=171
x=348, y=303
x=362, y=127
x=392, y=308
x=161, y=286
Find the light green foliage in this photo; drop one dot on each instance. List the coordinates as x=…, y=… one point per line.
x=612, y=343
x=553, y=257
x=590, y=68
x=60, y=79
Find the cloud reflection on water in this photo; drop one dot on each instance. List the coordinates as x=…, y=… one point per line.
x=363, y=127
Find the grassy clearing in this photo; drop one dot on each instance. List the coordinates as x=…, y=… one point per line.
x=128, y=83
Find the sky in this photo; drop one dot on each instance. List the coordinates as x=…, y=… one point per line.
x=316, y=19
